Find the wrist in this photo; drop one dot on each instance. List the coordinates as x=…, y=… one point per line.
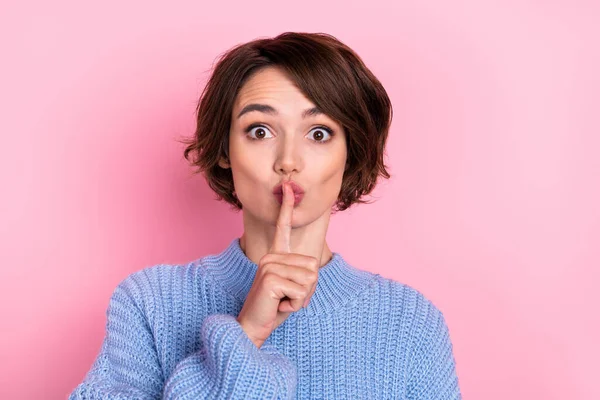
x=258, y=343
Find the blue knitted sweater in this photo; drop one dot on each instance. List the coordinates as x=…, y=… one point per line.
x=172, y=333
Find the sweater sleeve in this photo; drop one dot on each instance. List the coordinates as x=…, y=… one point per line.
x=433, y=372
x=231, y=366
x=228, y=365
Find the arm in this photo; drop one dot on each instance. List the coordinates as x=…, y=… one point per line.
x=231, y=366
x=228, y=365
x=433, y=371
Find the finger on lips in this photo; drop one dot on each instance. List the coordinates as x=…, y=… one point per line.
x=281, y=251
x=281, y=241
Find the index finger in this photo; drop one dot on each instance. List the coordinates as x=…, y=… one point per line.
x=281, y=241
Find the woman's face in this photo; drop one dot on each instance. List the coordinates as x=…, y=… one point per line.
x=277, y=134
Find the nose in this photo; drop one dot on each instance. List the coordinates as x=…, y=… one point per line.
x=289, y=157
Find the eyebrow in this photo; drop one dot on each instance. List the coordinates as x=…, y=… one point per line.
x=267, y=109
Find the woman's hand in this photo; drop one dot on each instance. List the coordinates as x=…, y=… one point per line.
x=284, y=282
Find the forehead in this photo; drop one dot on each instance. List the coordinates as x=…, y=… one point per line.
x=271, y=85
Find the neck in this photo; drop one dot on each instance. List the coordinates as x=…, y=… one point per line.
x=338, y=284
x=308, y=240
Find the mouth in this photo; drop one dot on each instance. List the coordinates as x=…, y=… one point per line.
x=298, y=192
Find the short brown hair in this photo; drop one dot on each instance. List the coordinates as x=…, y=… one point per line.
x=330, y=74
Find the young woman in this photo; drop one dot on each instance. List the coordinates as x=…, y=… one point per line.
x=290, y=129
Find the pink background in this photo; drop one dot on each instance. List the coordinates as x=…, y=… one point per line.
x=493, y=210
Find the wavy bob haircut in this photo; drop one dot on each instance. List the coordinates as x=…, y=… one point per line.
x=328, y=73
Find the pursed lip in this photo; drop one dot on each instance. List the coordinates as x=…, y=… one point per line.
x=278, y=189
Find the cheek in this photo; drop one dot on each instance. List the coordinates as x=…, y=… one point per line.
x=247, y=153
x=333, y=166
x=251, y=171
x=328, y=178
x=250, y=176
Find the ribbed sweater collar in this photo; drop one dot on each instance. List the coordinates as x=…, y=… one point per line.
x=338, y=281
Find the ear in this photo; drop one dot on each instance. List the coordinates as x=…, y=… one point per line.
x=224, y=163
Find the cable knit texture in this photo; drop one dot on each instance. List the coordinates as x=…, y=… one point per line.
x=172, y=333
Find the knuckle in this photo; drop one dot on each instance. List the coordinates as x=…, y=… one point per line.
x=264, y=260
x=270, y=279
x=266, y=268
x=314, y=263
x=308, y=278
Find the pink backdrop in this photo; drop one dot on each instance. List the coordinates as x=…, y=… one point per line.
x=493, y=210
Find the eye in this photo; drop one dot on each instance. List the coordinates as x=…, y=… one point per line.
x=320, y=132
x=260, y=131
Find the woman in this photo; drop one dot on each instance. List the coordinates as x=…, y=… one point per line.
x=290, y=129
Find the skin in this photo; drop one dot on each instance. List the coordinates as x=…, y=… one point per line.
x=286, y=241
x=287, y=149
